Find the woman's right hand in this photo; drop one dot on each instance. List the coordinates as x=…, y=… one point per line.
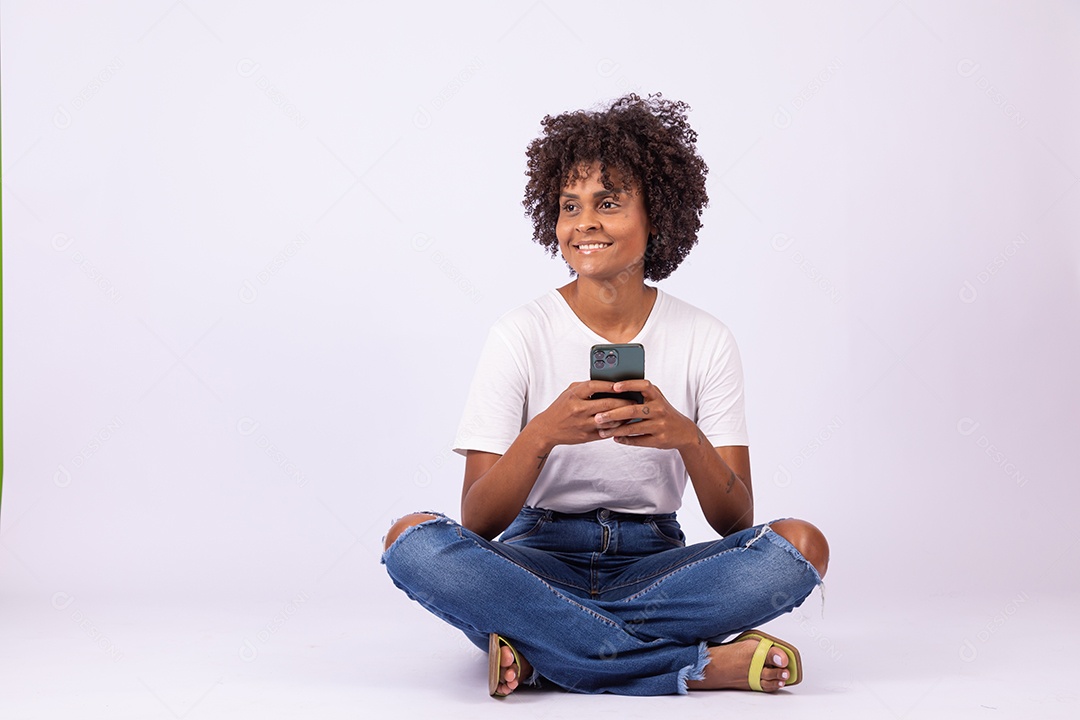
x=571, y=417
x=497, y=486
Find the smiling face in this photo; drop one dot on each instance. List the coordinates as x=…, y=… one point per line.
x=603, y=233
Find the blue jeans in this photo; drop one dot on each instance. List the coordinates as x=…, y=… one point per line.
x=601, y=601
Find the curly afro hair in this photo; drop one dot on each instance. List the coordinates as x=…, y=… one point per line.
x=645, y=139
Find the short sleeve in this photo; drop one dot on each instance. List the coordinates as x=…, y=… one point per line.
x=495, y=406
x=721, y=405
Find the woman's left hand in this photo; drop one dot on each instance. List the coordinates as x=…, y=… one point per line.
x=659, y=425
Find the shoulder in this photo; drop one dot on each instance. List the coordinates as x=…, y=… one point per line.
x=701, y=324
x=532, y=317
x=526, y=327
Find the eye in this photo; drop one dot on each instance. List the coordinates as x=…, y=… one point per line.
x=569, y=207
x=609, y=205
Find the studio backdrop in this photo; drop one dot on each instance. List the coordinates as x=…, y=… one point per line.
x=251, y=251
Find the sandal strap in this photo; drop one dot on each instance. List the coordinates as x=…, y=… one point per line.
x=495, y=645
x=757, y=664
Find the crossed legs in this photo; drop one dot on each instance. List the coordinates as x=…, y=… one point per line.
x=727, y=664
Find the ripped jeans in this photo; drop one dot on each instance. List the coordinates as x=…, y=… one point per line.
x=601, y=601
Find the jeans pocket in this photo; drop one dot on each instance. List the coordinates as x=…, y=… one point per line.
x=668, y=529
x=525, y=525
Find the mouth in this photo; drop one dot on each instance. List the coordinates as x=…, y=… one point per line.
x=591, y=247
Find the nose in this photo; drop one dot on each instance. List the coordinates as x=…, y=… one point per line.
x=587, y=221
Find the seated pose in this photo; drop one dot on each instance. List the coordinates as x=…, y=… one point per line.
x=591, y=586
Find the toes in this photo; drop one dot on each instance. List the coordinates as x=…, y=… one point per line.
x=777, y=658
x=773, y=678
x=510, y=672
x=506, y=659
x=513, y=670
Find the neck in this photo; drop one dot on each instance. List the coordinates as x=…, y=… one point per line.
x=615, y=312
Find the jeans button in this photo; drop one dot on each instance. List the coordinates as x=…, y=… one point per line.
x=604, y=514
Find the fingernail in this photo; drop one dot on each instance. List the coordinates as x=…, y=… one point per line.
x=603, y=433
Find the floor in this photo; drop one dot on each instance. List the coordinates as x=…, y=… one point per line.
x=69, y=655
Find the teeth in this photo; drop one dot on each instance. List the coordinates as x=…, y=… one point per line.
x=592, y=246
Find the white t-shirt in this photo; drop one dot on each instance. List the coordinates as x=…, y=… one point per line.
x=533, y=353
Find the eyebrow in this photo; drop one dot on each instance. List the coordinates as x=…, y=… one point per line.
x=597, y=194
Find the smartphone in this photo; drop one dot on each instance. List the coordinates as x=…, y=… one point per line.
x=617, y=362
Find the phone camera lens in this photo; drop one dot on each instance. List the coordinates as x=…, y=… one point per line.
x=598, y=364
x=611, y=358
x=598, y=356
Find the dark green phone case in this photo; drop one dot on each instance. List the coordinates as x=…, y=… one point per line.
x=615, y=362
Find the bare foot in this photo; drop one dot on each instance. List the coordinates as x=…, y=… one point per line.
x=511, y=675
x=729, y=668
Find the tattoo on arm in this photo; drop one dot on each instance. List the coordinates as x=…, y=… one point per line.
x=542, y=459
x=700, y=438
x=731, y=482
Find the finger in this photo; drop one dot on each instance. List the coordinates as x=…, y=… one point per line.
x=607, y=405
x=626, y=429
x=591, y=387
x=636, y=440
x=644, y=387
x=633, y=411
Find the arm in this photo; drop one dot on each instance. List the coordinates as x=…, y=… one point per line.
x=720, y=475
x=721, y=479
x=497, y=486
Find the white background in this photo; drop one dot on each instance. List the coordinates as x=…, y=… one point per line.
x=251, y=251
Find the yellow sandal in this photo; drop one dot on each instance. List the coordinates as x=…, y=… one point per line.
x=765, y=643
x=495, y=643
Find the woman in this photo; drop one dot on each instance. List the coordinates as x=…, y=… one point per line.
x=591, y=585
